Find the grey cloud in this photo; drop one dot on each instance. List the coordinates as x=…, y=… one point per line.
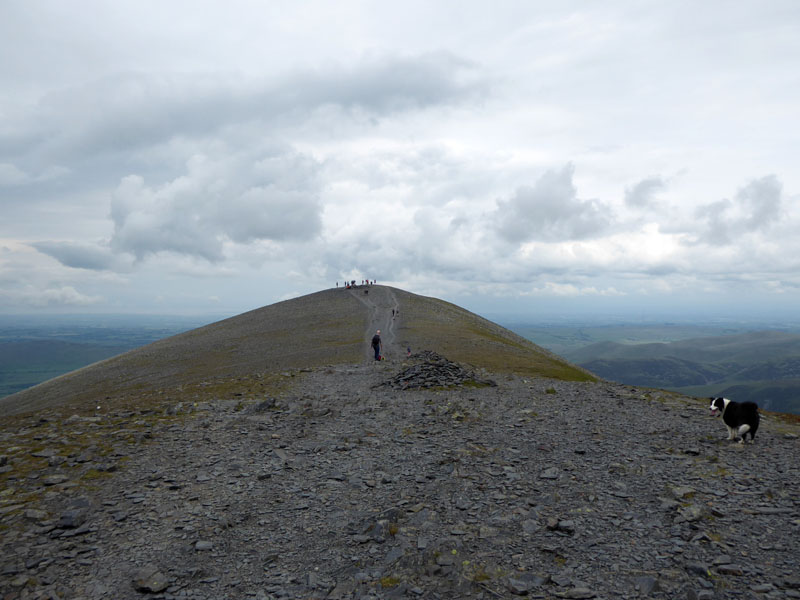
x=66, y=295
x=754, y=208
x=390, y=84
x=11, y=175
x=134, y=110
x=550, y=211
x=80, y=256
x=660, y=269
x=148, y=221
x=269, y=213
x=241, y=199
x=761, y=202
x=641, y=194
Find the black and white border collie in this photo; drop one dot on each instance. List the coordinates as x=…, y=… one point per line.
x=739, y=417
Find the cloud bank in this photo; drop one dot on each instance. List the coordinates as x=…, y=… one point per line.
x=526, y=155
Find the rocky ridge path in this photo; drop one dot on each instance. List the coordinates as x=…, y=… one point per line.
x=384, y=313
x=347, y=488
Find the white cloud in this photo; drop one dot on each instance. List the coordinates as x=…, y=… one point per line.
x=550, y=211
x=60, y=297
x=238, y=198
x=755, y=208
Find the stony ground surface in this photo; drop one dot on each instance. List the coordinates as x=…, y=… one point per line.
x=348, y=488
x=405, y=478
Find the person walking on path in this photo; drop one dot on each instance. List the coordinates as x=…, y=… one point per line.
x=377, y=345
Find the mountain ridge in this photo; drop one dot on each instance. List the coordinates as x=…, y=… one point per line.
x=327, y=327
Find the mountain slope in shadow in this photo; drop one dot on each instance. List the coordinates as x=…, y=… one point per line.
x=249, y=351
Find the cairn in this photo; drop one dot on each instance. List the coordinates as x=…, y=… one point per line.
x=434, y=371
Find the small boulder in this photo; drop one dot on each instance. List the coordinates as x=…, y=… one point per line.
x=550, y=473
x=691, y=513
x=521, y=585
x=72, y=518
x=150, y=580
x=50, y=480
x=646, y=585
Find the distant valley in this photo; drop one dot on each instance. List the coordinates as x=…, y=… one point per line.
x=762, y=366
x=34, y=349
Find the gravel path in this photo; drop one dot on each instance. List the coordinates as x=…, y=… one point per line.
x=384, y=310
x=348, y=488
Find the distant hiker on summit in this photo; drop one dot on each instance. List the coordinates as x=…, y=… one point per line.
x=377, y=345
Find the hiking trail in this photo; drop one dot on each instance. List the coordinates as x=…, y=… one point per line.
x=384, y=313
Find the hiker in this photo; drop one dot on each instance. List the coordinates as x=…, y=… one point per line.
x=377, y=345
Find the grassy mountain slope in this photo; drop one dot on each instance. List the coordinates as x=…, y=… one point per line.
x=429, y=323
x=246, y=354
x=319, y=328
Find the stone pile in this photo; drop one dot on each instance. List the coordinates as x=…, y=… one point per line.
x=435, y=371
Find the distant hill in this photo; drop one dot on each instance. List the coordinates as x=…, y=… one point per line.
x=666, y=373
x=35, y=348
x=761, y=366
x=563, y=338
x=25, y=363
x=247, y=352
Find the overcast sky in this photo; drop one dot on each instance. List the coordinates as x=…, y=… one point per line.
x=522, y=157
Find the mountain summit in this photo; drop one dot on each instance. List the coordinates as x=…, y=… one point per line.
x=325, y=328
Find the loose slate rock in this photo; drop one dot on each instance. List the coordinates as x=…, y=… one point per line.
x=577, y=594
x=521, y=585
x=730, y=570
x=550, y=473
x=646, y=585
x=72, y=518
x=698, y=569
x=691, y=513
x=150, y=580
x=434, y=372
x=50, y=480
